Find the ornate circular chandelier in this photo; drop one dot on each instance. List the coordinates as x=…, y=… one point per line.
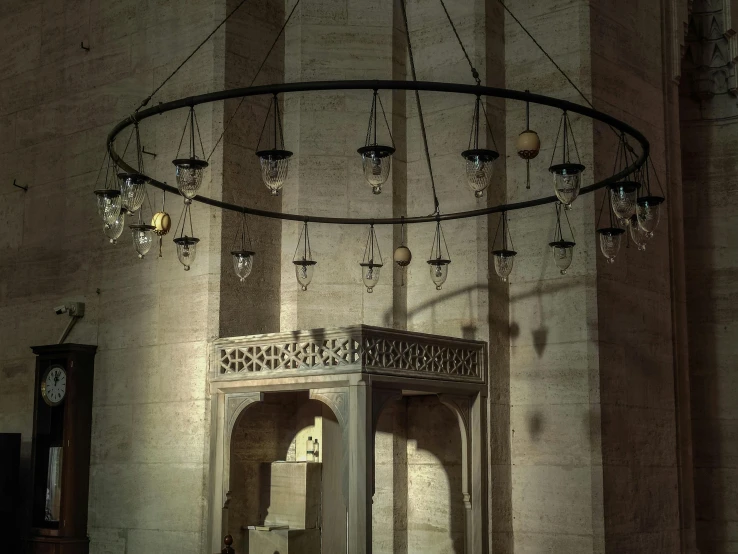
x=633, y=210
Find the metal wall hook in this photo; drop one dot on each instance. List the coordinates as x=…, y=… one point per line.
x=24, y=189
x=85, y=48
x=144, y=151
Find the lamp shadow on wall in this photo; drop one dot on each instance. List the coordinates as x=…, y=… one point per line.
x=539, y=335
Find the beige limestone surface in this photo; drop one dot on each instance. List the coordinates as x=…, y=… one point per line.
x=582, y=413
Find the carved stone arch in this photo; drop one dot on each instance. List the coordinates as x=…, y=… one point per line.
x=460, y=406
x=235, y=405
x=337, y=400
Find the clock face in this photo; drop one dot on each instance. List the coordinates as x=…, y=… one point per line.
x=54, y=385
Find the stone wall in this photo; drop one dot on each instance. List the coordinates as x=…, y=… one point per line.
x=709, y=164
x=150, y=320
x=582, y=413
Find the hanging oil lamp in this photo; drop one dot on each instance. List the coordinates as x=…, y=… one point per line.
x=479, y=161
x=528, y=144
x=108, y=197
x=186, y=244
x=567, y=175
x=115, y=229
x=303, y=259
x=610, y=237
x=439, y=258
x=504, y=257
x=562, y=250
x=637, y=235
x=274, y=161
x=143, y=236
x=190, y=170
x=372, y=261
x=243, y=257
x=623, y=194
x=648, y=207
x=133, y=185
x=376, y=159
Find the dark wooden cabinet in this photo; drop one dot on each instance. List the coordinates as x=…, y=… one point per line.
x=10, y=451
x=62, y=427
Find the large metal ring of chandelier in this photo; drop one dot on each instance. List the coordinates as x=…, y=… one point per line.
x=382, y=85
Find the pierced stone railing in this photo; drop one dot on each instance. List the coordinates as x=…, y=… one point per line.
x=351, y=349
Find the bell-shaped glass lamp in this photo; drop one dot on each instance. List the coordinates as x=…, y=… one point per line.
x=143, y=238
x=108, y=204
x=132, y=191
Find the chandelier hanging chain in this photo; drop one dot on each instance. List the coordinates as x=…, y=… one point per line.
x=489, y=126
x=497, y=231
x=506, y=233
x=436, y=205
x=277, y=123
x=371, y=130
x=474, y=72
x=145, y=102
x=573, y=136
x=372, y=125
x=558, y=232
x=556, y=142
x=244, y=234
x=183, y=217
x=386, y=122
x=258, y=71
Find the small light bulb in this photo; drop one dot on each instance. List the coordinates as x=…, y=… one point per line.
x=376, y=166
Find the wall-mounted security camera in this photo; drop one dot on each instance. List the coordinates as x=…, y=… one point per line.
x=76, y=310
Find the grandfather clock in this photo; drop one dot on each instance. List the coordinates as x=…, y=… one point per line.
x=62, y=424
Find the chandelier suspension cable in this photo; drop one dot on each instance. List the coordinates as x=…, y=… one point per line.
x=258, y=71
x=474, y=72
x=145, y=102
x=557, y=66
x=437, y=209
x=386, y=121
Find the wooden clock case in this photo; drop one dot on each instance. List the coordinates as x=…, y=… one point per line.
x=63, y=433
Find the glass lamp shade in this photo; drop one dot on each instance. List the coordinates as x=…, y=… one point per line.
x=186, y=250
x=274, y=167
x=243, y=263
x=304, y=270
x=610, y=238
x=504, y=261
x=563, y=253
x=189, y=176
x=567, y=181
x=638, y=235
x=108, y=204
x=623, y=199
x=479, y=169
x=132, y=190
x=143, y=238
x=115, y=229
x=439, y=271
x=648, y=210
x=370, y=275
x=376, y=161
